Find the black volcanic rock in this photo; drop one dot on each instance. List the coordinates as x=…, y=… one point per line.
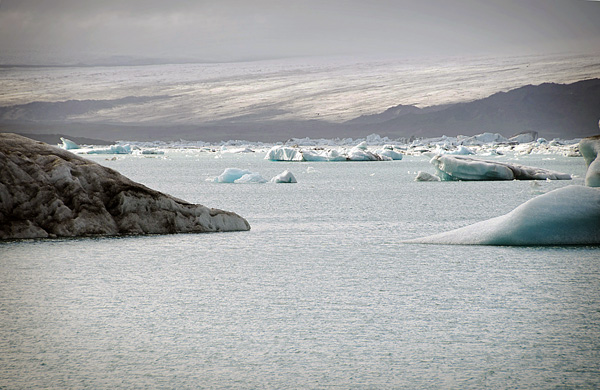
x=49, y=192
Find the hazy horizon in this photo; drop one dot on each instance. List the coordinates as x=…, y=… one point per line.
x=71, y=32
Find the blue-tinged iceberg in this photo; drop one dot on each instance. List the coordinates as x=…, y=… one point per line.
x=239, y=176
x=567, y=216
x=468, y=168
x=67, y=144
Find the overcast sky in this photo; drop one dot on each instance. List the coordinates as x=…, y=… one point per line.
x=231, y=30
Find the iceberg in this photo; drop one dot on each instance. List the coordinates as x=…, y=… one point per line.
x=239, y=176
x=424, y=176
x=468, y=168
x=250, y=178
x=67, y=144
x=566, y=216
x=46, y=191
x=590, y=150
x=284, y=153
x=284, y=177
x=388, y=152
x=113, y=149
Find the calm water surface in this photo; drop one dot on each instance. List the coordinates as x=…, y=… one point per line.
x=321, y=293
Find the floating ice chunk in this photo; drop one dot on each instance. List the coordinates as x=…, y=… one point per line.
x=567, y=216
x=360, y=153
x=239, y=176
x=230, y=175
x=485, y=138
x=460, y=151
x=467, y=168
x=424, y=176
x=590, y=150
x=251, y=178
x=152, y=151
x=225, y=149
x=284, y=153
x=524, y=138
x=323, y=155
x=67, y=144
x=389, y=152
x=113, y=149
x=284, y=177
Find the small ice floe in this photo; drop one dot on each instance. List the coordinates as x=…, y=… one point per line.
x=244, y=176
x=424, y=176
x=236, y=175
x=284, y=177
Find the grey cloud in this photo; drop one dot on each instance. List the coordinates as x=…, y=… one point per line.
x=231, y=30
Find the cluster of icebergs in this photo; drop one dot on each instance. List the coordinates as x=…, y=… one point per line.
x=244, y=176
x=566, y=216
x=358, y=153
x=371, y=148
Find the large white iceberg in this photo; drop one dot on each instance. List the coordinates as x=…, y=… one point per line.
x=590, y=150
x=467, y=168
x=566, y=216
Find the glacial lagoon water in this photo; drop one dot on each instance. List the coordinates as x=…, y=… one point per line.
x=321, y=293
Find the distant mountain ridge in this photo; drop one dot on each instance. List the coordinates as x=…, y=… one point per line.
x=552, y=110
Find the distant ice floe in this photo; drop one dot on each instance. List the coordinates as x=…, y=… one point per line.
x=467, y=168
x=359, y=152
x=244, y=176
x=284, y=177
x=566, y=216
x=424, y=176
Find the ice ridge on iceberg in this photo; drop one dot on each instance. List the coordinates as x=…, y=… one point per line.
x=468, y=168
x=566, y=216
